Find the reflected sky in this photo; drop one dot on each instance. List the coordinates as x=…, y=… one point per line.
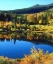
x=11, y=50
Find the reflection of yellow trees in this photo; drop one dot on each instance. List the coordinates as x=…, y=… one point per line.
x=18, y=36
x=8, y=37
x=31, y=35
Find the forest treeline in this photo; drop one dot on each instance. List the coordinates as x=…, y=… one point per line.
x=42, y=18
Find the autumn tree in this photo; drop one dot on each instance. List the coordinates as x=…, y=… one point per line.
x=35, y=19
x=30, y=19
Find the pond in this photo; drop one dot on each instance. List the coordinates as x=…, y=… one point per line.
x=17, y=50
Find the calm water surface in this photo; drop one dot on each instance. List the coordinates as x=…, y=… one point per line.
x=11, y=50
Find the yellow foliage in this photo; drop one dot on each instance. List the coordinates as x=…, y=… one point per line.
x=30, y=18
x=40, y=21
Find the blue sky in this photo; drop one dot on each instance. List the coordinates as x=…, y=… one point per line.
x=18, y=4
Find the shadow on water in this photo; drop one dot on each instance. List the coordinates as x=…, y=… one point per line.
x=37, y=42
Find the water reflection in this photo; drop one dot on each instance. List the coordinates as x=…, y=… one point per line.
x=23, y=43
x=40, y=38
